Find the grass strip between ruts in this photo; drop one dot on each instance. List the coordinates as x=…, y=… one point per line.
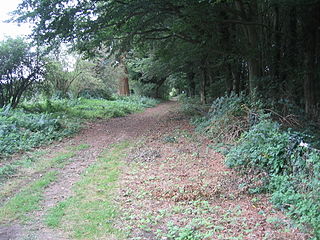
x=90, y=213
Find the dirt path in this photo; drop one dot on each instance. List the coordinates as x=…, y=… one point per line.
x=171, y=177
x=98, y=135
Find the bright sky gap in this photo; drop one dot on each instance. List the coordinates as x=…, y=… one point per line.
x=11, y=29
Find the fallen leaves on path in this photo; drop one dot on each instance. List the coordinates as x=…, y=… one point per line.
x=173, y=186
x=176, y=187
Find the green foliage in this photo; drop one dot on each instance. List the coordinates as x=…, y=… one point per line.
x=27, y=200
x=144, y=89
x=90, y=108
x=196, y=39
x=262, y=147
x=94, y=93
x=193, y=107
x=299, y=196
x=228, y=117
x=80, y=79
x=145, y=102
x=19, y=69
x=94, y=108
x=20, y=130
x=46, y=120
x=6, y=171
x=290, y=168
x=183, y=233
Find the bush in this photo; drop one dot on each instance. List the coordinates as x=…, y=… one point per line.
x=263, y=147
x=291, y=169
x=228, y=117
x=192, y=107
x=95, y=94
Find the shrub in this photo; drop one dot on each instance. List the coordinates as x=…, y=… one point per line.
x=291, y=169
x=263, y=147
x=228, y=117
x=192, y=107
x=95, y=94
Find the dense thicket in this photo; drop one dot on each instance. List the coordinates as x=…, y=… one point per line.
x=269, y=48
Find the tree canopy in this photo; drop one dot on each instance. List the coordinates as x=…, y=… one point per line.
x=269, y=49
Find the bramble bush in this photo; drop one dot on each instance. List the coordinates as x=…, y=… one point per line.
x=290, y=168
x=229, y=116
x=273, y=157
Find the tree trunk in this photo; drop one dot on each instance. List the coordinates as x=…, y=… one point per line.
x=124, y=89
x=249, y=12
x=236, y=78
x=310, y=75
x=159, y=84
x=192, y=84
x=229, y=78
x=311, y=28
x=203, y=84
x=277, y=40
x=124, y=86
x=254, y=66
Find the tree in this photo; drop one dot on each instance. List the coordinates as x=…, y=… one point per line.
x=266, y=47
x=20, y=67
x=58, y=79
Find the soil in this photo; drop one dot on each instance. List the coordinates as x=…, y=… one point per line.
x=170, y=168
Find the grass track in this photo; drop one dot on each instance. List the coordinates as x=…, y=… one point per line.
x=91, y=212
x=27, y=200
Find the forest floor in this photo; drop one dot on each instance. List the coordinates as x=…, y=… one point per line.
x=146, y=176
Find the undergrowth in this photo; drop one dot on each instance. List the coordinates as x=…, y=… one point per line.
x=38, y=122
x=20, y=130
x=287, y=168
x=90, y=108
x=274, y=158
x=192, y=106
x=228, y=117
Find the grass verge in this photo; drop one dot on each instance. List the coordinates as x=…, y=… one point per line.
x=91, y=212
x=35, y=163
x=27, y=200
